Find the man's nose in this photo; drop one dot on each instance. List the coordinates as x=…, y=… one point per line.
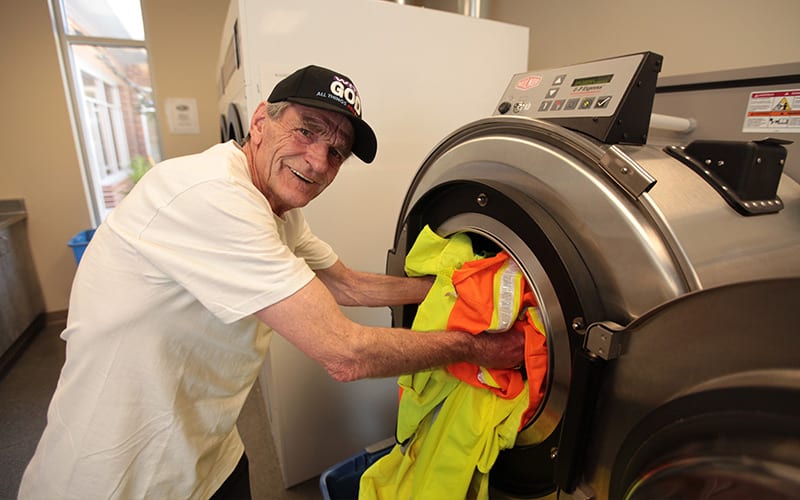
x=317, y=154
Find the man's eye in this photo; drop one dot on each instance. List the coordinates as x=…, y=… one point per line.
x=305, y=133
x=335, y=153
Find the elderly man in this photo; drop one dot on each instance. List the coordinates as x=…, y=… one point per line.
x=163, y=343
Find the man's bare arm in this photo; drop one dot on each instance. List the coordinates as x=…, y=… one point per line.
x=355, y=288
x=312, y=321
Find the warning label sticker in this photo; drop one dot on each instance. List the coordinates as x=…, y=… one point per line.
x=773, y=111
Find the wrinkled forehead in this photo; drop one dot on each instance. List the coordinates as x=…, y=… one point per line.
x=325, y=123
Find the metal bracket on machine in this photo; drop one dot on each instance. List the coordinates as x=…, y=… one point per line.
x=745, y=174
x=606, y=340
x=626, y=173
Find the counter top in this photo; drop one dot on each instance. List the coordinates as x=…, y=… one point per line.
x=11, y=212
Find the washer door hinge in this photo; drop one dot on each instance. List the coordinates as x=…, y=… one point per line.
x=606, y=340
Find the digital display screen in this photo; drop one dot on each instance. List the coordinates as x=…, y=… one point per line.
x=592, y=80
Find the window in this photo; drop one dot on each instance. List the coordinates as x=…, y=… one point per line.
x=108, y=78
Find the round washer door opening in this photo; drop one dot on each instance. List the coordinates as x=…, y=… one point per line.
x=498, y=218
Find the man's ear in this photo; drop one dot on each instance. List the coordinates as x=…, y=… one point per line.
x=257, y=123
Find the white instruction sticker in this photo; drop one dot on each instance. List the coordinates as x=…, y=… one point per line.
x=773, y=111
x=182, y=115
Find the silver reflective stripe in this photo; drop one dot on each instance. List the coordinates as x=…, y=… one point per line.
x=507, y=300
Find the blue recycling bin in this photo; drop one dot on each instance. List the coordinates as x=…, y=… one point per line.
x=79, y=242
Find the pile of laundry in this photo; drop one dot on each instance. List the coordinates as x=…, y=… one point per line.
x=453, y=421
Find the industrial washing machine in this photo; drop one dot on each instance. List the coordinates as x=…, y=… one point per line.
x=668, y=279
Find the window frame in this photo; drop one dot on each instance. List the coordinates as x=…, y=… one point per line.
x=72, y=69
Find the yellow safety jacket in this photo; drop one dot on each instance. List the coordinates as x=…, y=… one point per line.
x=452, y=422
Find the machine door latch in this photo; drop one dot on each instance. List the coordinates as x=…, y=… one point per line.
x=606, y=340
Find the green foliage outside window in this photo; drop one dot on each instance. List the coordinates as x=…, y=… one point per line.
x=139, y=166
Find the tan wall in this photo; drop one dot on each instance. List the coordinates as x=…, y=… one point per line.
x=183, y=37
x=694, y=36
x=40, y=163
x=39, y=157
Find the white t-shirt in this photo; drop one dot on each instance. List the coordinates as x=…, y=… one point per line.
x=162, y=344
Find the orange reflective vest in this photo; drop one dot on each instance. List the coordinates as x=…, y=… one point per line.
x=493, y=296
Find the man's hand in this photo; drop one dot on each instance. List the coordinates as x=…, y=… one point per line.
x=500, y=350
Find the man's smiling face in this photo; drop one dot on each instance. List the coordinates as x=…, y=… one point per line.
x=295, y=156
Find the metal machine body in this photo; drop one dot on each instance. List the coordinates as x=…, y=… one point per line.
x=662, y=303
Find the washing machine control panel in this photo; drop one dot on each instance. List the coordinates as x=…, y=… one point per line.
x=597, y=91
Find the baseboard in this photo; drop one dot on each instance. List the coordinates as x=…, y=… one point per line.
x=53, y=317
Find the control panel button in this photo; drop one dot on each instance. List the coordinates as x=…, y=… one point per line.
x=602, y=102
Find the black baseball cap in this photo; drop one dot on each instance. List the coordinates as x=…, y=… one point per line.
x=322, y=88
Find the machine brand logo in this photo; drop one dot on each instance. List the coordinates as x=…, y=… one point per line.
x=528, y=82
x=345, y=92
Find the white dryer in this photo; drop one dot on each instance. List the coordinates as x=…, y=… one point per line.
x=232, y=103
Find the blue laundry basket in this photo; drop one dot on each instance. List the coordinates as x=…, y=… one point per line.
x=79, y=242
x=340, y=482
